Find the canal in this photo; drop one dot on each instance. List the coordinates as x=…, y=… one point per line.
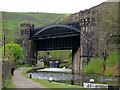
x=65, y=76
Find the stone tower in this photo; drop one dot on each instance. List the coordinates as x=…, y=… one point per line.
x=26, y=42
x=88, y=20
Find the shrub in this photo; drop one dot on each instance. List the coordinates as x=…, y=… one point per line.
x=14, y=52
x=95, y=66
x=112, y=59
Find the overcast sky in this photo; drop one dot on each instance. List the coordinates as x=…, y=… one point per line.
x=50, y=6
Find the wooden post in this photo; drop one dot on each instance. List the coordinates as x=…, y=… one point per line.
x=4, y=47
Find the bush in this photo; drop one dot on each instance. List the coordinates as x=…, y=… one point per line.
x=8, y=83
x=112, y=59
x=94, y=67
x=67, y=64
x=112, y=65
x=14, y=52
x=22, y=66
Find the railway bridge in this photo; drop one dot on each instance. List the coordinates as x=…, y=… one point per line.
x=77, y=36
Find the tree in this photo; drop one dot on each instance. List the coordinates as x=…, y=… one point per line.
x=14, y=52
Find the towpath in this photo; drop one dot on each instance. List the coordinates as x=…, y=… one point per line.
x=22, y=82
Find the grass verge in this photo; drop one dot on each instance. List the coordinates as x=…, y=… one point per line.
x=9, y=83
x=96, y=66
x=52, y=85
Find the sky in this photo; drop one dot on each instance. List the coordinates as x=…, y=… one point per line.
x=49, y=6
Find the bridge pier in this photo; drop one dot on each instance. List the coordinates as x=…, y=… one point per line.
x=76, y=64
x=33, y=53
x=75, y=60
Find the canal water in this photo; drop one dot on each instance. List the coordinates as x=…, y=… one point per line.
x=65, y=76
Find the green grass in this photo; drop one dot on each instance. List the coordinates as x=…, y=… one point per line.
x=8, y=83
x=52, y=85
x=64, y=56
x=95, y=66
x=55, y=84
x=12, y=20
x=60, y=54
x=112, y=59
x=112, y=65
x=22, y=66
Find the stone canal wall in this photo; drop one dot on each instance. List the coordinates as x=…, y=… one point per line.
x=5, y=71
x=0, y=74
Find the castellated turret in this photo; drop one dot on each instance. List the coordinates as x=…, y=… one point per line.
x=26, y=42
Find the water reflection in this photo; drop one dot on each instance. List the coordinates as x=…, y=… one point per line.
x=55, y=76
x=55, y=70
x=64, y=77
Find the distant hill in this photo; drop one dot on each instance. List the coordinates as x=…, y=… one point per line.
x=107, y=25
x=12, y=20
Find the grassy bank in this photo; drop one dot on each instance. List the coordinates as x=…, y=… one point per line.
x=8, y=83
x=52, y=85
x=96, y=66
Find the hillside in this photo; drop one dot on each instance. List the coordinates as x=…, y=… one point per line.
x=107, y=27
x=107, y=24
x=12, y=20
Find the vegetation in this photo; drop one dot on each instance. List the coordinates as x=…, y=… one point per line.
x=52, y=85
x=67, y=64
x=107, y=25
x=21, y=65
x=112, y=59
x=11, y=22
x=61, y=54
x=95, y=66
x=112, y=65
x=11, y=25
x=14, y=52
x=65, y=56
x=8, y=83
x=0, y=52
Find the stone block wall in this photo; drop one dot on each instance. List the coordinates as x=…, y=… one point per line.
x=5, y=70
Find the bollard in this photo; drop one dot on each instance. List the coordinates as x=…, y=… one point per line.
x=30, y=75
x=50, y=79
x=91, y=80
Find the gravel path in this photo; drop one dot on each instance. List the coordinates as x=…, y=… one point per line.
x=22, y=82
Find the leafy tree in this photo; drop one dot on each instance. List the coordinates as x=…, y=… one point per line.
x=14, y=52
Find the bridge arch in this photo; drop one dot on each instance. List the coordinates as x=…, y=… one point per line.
x=55, y=30
x=55, y=37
